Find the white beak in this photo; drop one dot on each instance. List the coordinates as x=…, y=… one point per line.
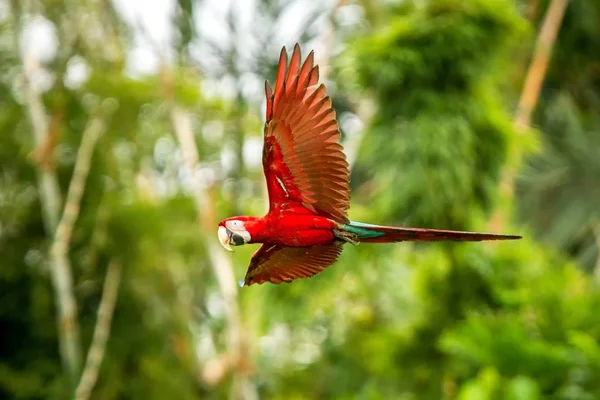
x=224, y=238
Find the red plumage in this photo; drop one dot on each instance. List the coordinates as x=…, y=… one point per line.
x=308, y=184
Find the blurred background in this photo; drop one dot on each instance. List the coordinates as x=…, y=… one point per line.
x=129, y=128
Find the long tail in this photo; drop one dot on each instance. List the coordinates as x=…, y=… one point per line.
x=368, y=233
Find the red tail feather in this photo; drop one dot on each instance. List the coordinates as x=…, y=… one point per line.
x=403, y=234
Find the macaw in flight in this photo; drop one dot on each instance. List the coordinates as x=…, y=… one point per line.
x=308, y=184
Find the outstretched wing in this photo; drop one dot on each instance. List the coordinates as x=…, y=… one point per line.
x=276, y=264
x=303, y=160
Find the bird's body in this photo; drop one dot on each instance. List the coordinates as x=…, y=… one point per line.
x=299, y=229
x=308, y=184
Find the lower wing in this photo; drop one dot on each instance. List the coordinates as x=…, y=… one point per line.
x=276, y=264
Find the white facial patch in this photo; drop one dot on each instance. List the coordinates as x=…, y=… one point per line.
x=237, y=226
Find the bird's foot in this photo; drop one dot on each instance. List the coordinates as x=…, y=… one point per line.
x=347, y=237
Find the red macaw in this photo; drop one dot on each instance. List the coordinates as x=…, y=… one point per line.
x=308, y=184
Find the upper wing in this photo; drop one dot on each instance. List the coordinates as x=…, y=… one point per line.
x=276, y=264
x=303, y=160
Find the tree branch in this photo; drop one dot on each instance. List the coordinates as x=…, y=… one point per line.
x=48, y=183
x=539, y=63
x=96, y=351
x=531, y=93
x=50, y=199
x=220, y=263
x=61, y=266
x=49, y=190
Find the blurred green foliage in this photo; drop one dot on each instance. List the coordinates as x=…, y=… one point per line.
x=440, y=113
x=515, y=320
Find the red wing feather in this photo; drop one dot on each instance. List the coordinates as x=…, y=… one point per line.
x=302, y=158
x=278, y=264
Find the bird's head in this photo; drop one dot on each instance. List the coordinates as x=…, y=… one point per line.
x=232, y=232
